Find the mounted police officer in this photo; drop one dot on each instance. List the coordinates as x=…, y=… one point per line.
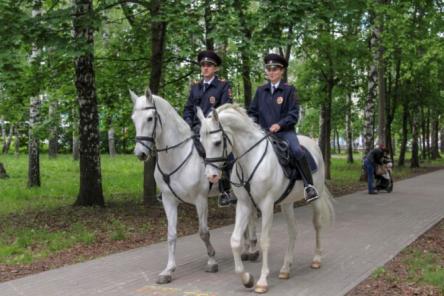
x=275, y=107
x=211, y=92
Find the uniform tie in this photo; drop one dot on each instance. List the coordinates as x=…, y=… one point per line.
x=273, y=89
x=205, y=86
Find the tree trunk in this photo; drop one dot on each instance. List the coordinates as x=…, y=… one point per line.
x=325, y=126
x=382, y=98
x=33, y=144
x=209, y=41
x=75, y=146
x=111, y=142
x=2, y=124
x=158, y=39
x=428, y=149
x=53, y=146
x=3, y=174
x=8, y=141
x=244, y=49
x=337, y=141
x=435, y=138
x=17, y=142
x=442, y=140
x=348, y=129
x=90, y=192
x=423, y=134
x=414, y=163
x=403, y=148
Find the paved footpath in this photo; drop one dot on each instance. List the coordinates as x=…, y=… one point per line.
x=369, y=231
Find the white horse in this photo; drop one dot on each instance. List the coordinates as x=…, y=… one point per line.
x=179, y=173
x=229, y=129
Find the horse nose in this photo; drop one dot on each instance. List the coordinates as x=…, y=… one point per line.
x=141, y=156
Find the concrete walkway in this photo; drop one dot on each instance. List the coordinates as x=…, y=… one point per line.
x=369, y=231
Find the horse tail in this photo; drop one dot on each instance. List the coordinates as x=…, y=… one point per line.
x=323, y=210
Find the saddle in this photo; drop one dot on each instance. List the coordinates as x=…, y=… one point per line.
x=288, y=161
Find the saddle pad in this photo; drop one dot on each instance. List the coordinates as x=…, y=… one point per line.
x=287, y=162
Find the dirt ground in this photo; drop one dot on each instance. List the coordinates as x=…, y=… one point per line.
x=138, y=216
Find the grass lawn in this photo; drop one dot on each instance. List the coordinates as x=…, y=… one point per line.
x=122, y=179
x=39, y=228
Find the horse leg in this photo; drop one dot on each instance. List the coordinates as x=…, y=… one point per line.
x=317, y=223
x=202, y=214
x=170, y=207
x=241, y=221
x=267, y=221
x=251, y=251
x=288, y=211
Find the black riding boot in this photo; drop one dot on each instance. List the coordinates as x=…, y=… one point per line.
x=226, y=196
x=311, y=193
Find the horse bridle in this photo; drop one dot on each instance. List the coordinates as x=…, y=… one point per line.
x=141, y=140
x=224, y=157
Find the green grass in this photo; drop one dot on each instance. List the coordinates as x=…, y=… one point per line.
x=426, y=268
x=122, y=178
x=25, y=245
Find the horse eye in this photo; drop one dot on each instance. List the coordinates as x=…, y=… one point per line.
x=217, y=143
x=150, y=119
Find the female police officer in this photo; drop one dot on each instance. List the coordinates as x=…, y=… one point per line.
x=275, y=107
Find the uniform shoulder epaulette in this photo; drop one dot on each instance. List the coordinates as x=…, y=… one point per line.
x=222, y=80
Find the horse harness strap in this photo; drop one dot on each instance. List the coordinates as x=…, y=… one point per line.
x=141, y=140
x=166, y=177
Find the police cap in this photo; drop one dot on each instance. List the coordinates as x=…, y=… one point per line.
x=209, y=56
x=273, y=59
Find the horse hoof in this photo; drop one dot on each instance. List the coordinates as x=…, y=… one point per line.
x=253, y=256
x=163, y=279
x=212, y=268
x=284, y=275
x=261, y=289
x=244, y=256
x=250, y=282
x=316, y=265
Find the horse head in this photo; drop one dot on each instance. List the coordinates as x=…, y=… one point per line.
x=217, y=143
x=147, y=123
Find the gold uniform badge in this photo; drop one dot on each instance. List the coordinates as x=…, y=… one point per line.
x=212, y=100
x=279, y=100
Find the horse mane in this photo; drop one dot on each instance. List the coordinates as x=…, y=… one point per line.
x=170, y=113
x=233, y=111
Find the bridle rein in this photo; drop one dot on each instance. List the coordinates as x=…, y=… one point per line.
x=142, y=139
x=243, y=181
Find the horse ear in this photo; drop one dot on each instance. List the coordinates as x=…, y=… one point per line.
x=200, y=114
x=148, y=95
x=215, y=116
x=133, y=96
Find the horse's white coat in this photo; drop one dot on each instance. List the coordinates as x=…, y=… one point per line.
x=267, y=186
x=189, y=182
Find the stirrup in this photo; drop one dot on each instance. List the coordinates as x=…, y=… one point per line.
x=312, y=198
x=227, y=199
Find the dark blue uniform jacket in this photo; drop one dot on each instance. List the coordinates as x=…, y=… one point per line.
x=281, y=107
x=216, y=94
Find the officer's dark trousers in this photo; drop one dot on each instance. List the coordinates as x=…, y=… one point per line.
x=299, y=155
x=370, y=168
